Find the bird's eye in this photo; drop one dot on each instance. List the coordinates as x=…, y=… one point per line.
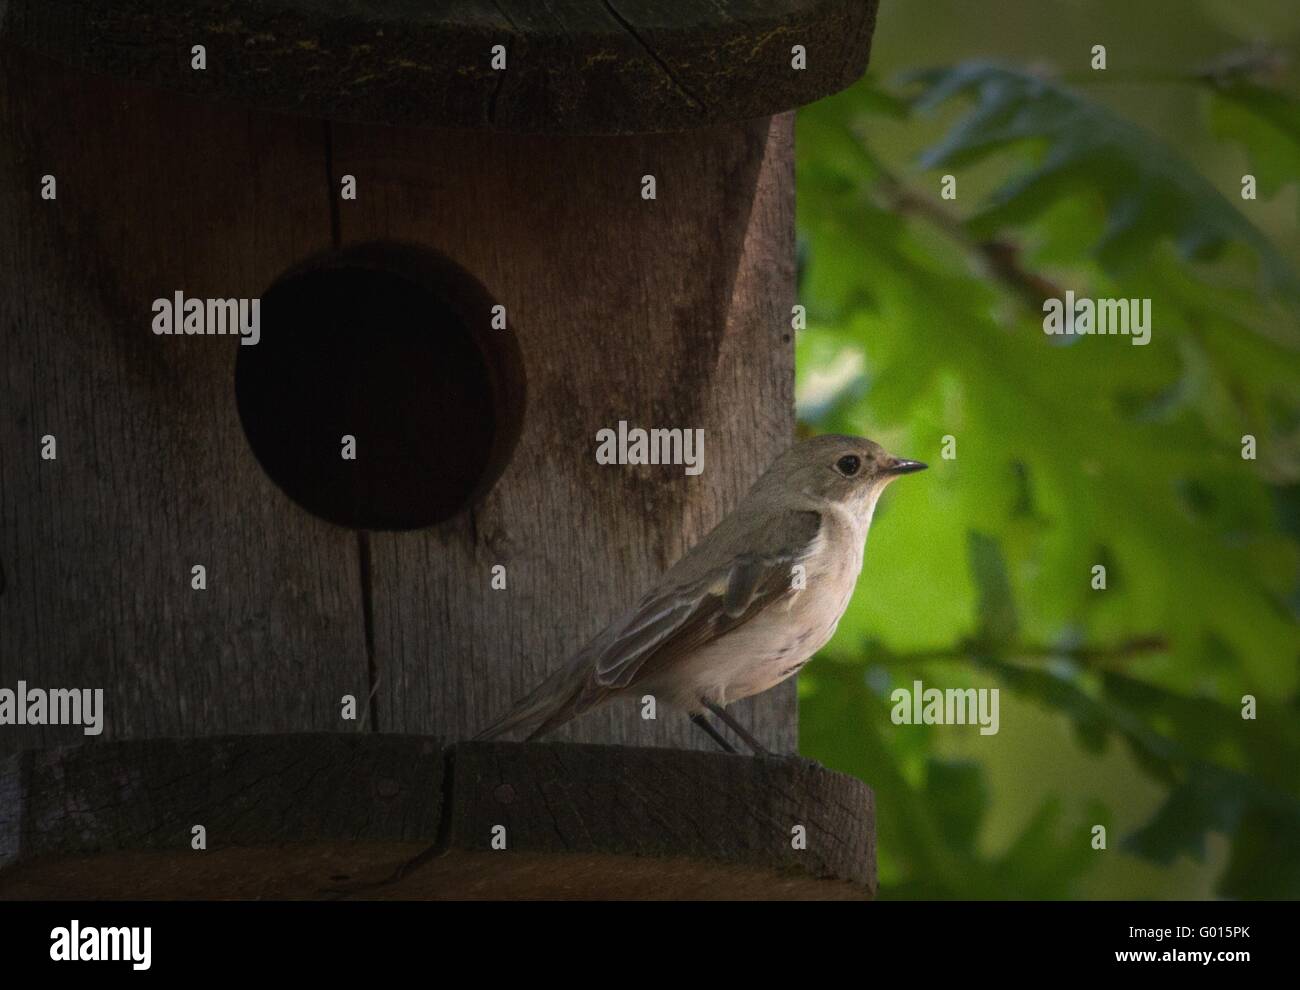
x=848, y=465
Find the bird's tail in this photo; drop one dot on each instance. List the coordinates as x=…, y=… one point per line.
x=548, y=706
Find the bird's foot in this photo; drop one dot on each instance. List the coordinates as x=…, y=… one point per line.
x=699, y=719
x=745, y=735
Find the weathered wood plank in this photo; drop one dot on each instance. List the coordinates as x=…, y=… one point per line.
x=156, y=193
x=665, y=313
x=555, y=798
x=244, y=790
x=283, y=815
x=383, y=816
x=573, y=66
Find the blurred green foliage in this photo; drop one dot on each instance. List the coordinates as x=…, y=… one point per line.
x=1121, y=707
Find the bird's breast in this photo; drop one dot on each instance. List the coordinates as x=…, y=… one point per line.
x=778, y=643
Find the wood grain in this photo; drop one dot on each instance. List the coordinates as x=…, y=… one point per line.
x=670, y=313
x=573, y=66
x=555, y=798
x=666, y=313
x=155, y=193
x=395, y=817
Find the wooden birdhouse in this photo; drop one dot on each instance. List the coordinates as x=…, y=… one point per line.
x=311, y=321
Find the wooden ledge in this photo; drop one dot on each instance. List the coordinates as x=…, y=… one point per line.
x=574, y=66
x=385, y=816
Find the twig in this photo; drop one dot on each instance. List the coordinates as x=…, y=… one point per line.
x=1000, y=258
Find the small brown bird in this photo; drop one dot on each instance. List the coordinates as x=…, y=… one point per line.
x=746, y=608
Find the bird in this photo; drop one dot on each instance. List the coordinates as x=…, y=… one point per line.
x=744, y=609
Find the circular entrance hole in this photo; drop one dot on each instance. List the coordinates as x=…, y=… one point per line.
x=392, y=346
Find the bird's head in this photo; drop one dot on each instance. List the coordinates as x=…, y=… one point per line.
x=852, y=471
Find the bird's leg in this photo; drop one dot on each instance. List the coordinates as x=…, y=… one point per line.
x=699, y=719
x=758, y=748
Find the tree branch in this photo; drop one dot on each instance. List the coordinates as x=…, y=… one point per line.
x=999, y=258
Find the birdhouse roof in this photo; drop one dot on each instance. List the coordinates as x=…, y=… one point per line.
x=570, y=66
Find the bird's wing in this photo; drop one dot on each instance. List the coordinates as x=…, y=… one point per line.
x=678, y=618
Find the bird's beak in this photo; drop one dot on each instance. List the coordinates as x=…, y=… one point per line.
x=902, y=466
